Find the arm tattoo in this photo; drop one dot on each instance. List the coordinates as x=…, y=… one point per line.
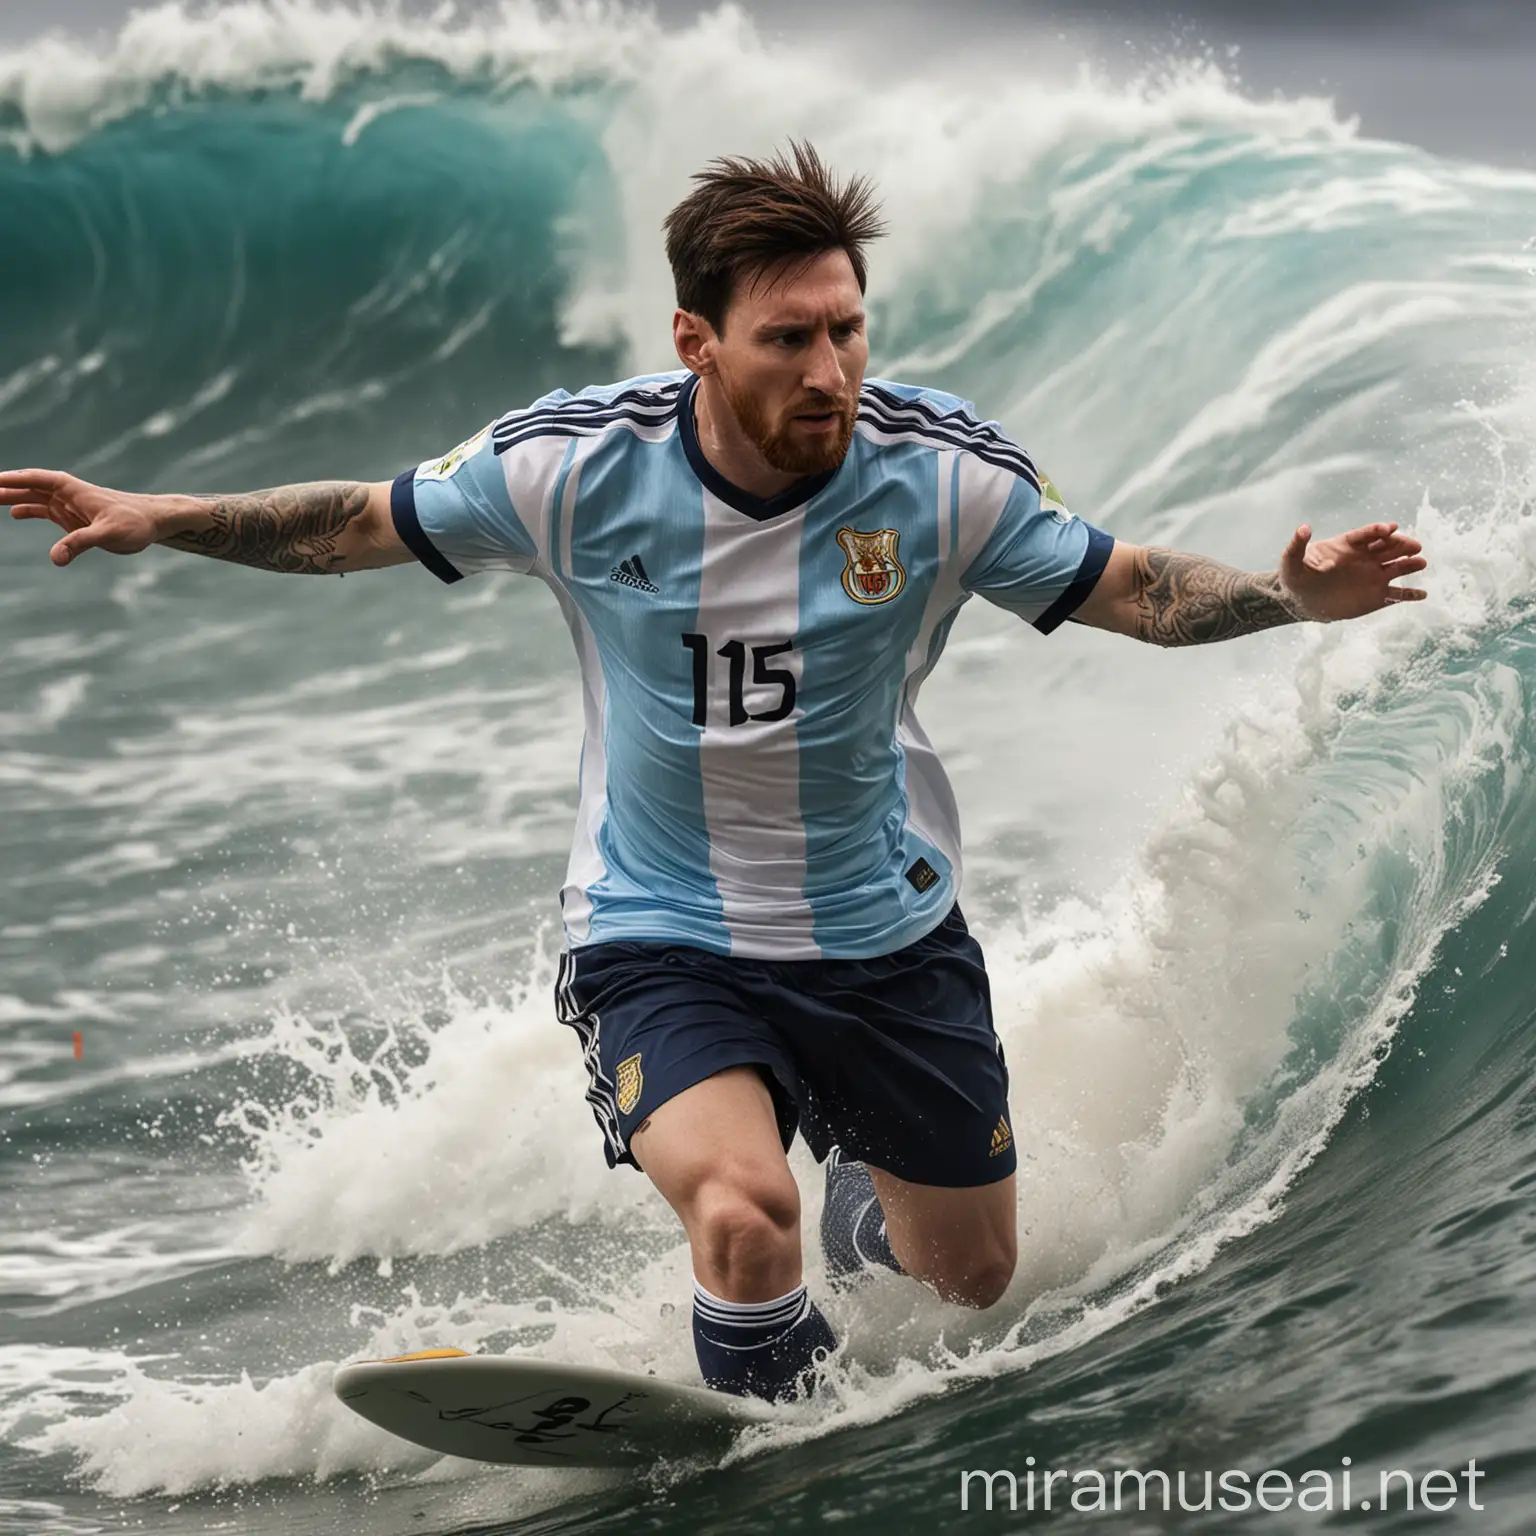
x=295, y=528
x=1189, y=600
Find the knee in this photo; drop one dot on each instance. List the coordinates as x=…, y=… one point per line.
x=980, y=1282
x=746, y=1237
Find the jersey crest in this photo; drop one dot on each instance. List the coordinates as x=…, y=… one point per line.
x=873, y=573
x=443, y=468
x=1050, y=501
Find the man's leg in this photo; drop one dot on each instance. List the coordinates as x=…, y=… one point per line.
x=715, y=1153
x=854, y=1241
x=962, y=1242
x=918, y=1084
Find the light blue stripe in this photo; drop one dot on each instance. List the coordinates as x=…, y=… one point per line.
x=654, y=840
x=853, y=659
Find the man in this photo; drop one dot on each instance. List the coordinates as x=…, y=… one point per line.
x=760, y=557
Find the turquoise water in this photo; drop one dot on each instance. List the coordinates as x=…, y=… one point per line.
x=283, y=853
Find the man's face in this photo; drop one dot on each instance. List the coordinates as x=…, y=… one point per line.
x=791, y=361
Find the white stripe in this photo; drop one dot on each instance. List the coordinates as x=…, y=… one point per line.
x=984, y=492
x=531, y=475
x=744, y=1313
x=585, y=867
x=588, y=1026
x=749, y=590
x=778, y=1320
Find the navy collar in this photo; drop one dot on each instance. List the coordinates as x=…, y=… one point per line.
x=757, y=507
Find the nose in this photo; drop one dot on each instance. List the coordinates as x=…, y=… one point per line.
x=823, y=368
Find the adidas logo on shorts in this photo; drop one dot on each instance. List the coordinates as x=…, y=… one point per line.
x=1002, y=1138
x=631, y=573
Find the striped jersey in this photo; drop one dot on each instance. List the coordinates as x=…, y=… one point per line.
x=754, y=780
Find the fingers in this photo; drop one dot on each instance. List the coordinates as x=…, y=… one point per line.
x=1293, y=558
x=66, y=517
x=73, y=544
x=1404, y=567
x=1405, y=594
x=1398, y=544
x=29, y=484
x=1363, y=538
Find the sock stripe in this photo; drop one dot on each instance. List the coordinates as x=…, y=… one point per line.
x=750, y=1314
x=768, y=1349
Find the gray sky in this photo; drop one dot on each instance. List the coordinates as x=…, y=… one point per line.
x=1457, y=76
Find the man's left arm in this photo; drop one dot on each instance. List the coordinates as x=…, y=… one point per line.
x=1167, y=597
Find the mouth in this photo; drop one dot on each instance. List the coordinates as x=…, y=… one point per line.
x=819, y=421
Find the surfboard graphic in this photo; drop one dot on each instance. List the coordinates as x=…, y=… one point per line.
x=526, y=1412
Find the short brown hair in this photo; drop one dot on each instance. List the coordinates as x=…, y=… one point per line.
x=745, y=215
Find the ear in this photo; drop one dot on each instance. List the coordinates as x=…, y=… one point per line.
x=695, y=340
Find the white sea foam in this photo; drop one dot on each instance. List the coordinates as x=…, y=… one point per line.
x=943, y=171
x=1155, y=967
x=64, y=88
x=377, y=1159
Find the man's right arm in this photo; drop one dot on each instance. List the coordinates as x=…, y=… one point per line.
x=318, y=529
x=324, y=528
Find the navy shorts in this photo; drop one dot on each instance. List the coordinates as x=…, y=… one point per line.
x=893, y=1059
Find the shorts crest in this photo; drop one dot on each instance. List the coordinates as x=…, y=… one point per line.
x=628, y=1083
x=873, y=573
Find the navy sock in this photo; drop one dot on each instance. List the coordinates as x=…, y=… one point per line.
x=853, y=1235
x=759, y=1348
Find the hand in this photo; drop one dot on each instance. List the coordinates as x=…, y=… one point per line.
x=91, y=516
x=1347, y=576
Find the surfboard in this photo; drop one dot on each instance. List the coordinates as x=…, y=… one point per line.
x=540, y=1413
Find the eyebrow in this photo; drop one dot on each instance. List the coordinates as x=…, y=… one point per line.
x=786, y=327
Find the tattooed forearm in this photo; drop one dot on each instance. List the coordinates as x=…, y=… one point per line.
x=295, y=528
x=1189, y=600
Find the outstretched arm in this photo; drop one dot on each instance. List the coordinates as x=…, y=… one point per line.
x=321, y=529
x=1169, y=598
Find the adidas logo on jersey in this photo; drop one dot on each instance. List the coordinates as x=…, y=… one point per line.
x=631, y=573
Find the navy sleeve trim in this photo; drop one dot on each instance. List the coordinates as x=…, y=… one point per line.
x=1095, y=558
x=402, y=507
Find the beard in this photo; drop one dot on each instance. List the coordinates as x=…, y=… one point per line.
x=781, y=447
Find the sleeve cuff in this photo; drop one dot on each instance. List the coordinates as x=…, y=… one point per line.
x=402, y=507
x=1095, y=558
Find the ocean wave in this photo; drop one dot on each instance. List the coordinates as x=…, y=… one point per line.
x=275, y=240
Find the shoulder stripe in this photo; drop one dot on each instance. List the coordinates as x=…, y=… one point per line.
x=648, y=392
x=951, y=429
x=562, y=413
x=882, y=399
x=660, y=399
x=920, y=413
x=1015, y=461
x=584, y=426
